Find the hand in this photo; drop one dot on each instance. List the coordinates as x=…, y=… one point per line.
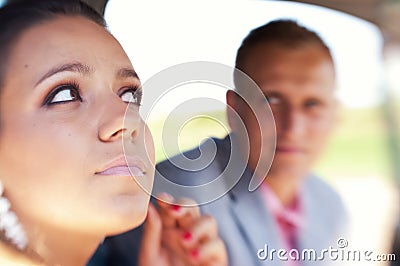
x=179, y=235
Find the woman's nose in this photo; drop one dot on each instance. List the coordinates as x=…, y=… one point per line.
x=118, y=119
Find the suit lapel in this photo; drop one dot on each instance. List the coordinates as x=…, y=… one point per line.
x=313, y=233
x=254, y=220
x=247, y=208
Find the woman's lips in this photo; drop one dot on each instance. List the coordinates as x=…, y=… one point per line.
x=136, y=171
x=123, y=167
x=123, y=170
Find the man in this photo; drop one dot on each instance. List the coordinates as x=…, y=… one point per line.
x=292, y=209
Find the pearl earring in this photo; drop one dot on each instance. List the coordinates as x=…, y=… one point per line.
x=9, y=223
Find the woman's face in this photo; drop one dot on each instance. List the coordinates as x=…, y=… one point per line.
x=63, y=134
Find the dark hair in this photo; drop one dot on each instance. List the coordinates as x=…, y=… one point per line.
x=286, y=33
x=17, y=17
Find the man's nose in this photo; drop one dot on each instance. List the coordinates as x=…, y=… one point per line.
x=292, y=123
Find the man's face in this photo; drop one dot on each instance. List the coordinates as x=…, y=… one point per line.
x=298, y=84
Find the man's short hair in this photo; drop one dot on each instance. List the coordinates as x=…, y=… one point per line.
x=286, y=33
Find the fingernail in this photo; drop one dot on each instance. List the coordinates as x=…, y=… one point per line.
x=175, y=207
x=194, y=254
x=187, y=236
x=166, y=197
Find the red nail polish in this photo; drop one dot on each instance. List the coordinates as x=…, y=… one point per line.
x=194, y=254
x=175, y=207
x=187, y=236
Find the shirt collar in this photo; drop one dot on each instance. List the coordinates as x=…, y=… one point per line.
x=292, y=214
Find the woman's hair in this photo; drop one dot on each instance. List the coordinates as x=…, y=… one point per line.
x=285, y=33
x=15, y=18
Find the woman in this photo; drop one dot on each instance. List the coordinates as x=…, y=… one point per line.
x=69, y=106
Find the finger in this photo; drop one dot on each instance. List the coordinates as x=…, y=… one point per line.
x=164, y=200
x=212, y=252
x=181, y=213
x=178, y=207
x=167, y=211
x=204, y=229
x=151, y=240
x=172, y=241
x=189, y=214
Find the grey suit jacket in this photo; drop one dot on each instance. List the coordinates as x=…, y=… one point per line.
x=244, y=222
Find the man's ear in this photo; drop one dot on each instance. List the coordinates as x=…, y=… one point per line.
x=336, y=114
x=231, y=108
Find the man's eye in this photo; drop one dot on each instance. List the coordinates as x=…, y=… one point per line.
x=312, y=103
x=132, y=95
x=63, y=94
x=273, y=100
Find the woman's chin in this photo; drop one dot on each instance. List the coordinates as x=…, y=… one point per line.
x=128, y=215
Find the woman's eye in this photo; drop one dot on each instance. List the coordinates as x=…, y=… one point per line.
x=132, y=95
x=63, y=94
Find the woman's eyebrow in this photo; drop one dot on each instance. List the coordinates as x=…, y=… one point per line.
x=127, y=73
x=71, y=67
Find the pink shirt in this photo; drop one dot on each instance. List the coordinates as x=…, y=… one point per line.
x=288, y=219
